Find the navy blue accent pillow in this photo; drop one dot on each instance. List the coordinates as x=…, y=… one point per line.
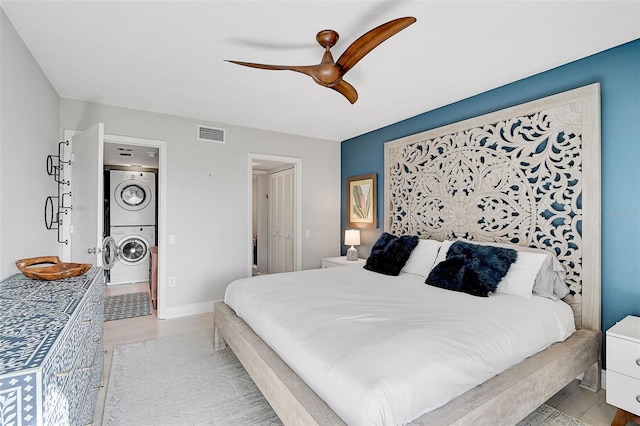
x=472, y=269
x=455, y=273
x=390, y=253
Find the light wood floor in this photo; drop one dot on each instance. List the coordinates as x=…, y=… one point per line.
x=580, y=403
x=140, y=329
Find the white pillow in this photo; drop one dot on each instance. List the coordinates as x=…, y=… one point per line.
x=550, y=281
x=521, y=276
x=560, y=288
x=422, y=258
x=442, y=253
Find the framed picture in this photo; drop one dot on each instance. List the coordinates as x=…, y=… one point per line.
x=361, y=201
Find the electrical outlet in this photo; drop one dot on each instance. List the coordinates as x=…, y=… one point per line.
x=172, y=281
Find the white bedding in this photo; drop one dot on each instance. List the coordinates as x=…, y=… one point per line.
x=384, y=350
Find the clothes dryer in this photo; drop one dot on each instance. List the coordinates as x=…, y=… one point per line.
x=132, y=198
x=133, y=253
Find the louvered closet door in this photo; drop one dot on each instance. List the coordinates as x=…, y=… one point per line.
x=282, y=222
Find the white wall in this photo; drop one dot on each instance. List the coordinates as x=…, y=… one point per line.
x=29, y=127
x=207, y=193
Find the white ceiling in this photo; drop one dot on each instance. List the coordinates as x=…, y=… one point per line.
x=168, y=57
x=118, y=154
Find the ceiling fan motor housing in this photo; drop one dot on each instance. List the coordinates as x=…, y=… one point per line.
x=327, y=38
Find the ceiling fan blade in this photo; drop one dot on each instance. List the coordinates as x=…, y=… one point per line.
x=347, y=90
x=370, y=40
x=302, y=69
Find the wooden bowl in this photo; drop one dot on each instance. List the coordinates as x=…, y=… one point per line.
x=55, y=271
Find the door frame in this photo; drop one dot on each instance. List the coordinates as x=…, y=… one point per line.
x=260, y=207
x=297, y=165
x=162, y=206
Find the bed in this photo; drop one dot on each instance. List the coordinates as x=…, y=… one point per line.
x=527, y=176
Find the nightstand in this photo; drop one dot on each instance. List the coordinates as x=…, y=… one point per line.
x=623, y=370
x=330, y=262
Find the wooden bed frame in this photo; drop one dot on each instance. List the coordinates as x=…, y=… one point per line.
x=510, y=396
x=504, y=399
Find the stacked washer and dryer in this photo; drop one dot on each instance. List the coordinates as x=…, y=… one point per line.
x=132, y=217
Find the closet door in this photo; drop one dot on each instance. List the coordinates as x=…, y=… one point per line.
x=282, y=222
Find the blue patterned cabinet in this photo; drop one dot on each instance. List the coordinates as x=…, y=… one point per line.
x=51, y=349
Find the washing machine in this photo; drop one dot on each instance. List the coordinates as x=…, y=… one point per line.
x=132, y=198
x=133, y=253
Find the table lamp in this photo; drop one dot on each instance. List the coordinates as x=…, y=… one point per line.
x=352, y=238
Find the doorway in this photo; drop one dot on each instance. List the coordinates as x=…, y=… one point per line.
x=275, y=225
x=145, y=155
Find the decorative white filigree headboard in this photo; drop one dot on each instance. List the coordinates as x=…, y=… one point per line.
x=526, y=175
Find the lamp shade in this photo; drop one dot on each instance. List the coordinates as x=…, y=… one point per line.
x=352, y=237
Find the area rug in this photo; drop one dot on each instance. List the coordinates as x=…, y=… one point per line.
x=128, y=305
x=547, y=415
x=181, y=380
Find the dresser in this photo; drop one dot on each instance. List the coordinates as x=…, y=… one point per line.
x=623, y=369
x=51, y=349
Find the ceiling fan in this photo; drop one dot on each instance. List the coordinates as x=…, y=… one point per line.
x=329, y=73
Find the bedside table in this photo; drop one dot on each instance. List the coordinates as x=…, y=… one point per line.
x=623, y=370
x=330, y=262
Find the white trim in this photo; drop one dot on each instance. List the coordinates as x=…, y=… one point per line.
x=65, y=249
x=162, y=207
x=297, y=163
x=187, y=310
x=161, y=193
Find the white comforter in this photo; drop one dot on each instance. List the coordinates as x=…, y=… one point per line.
x=384, y=350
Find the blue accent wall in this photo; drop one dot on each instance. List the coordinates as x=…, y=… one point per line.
x=618, y=72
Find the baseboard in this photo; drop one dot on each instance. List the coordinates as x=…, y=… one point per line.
x=125, y=282
x=186, y=310
x=603, y=378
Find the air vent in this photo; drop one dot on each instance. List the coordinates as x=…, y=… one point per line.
x=210, y=134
